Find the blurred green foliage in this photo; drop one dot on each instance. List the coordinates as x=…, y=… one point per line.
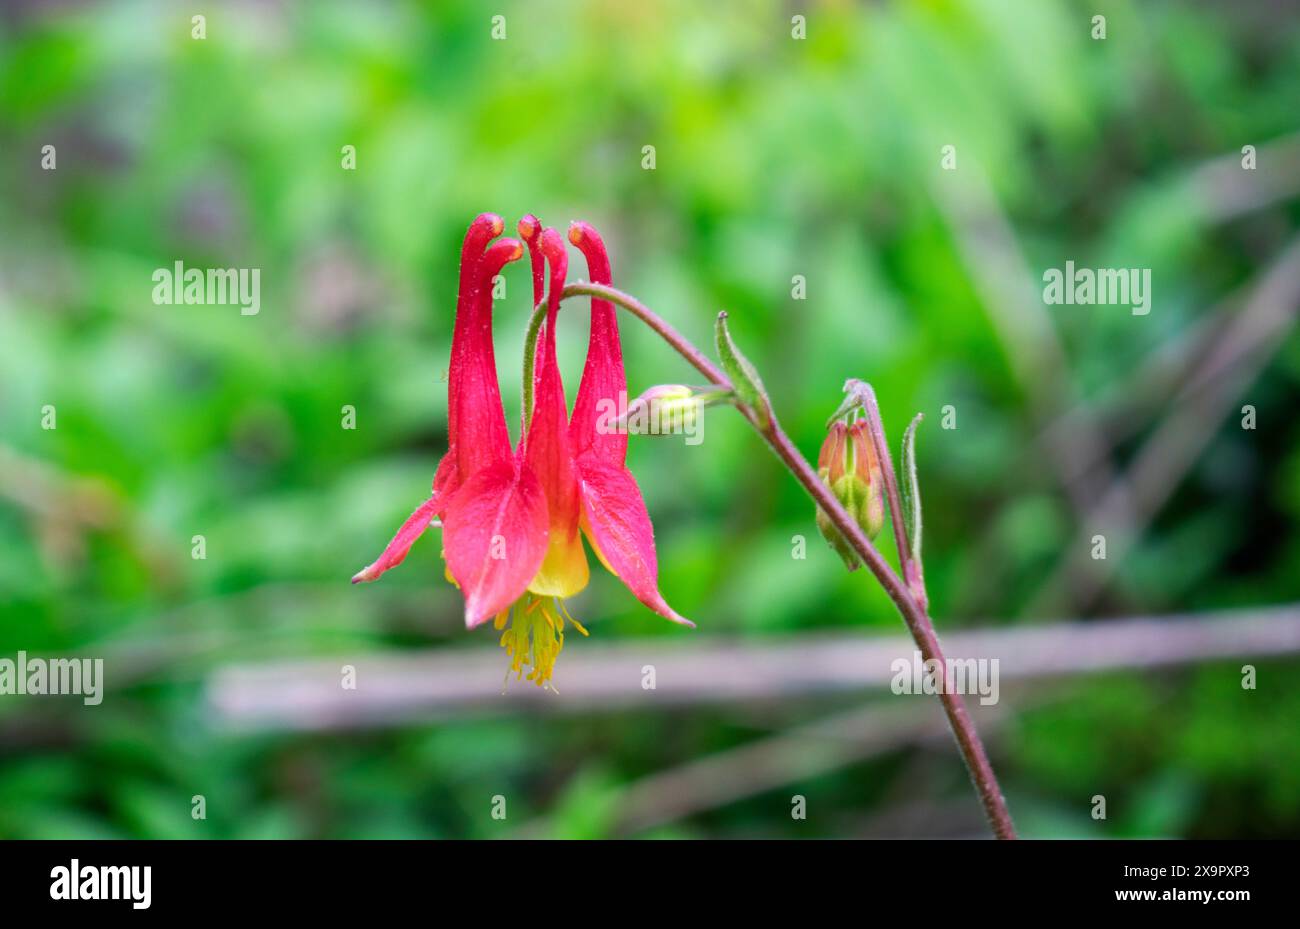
x=774, y=158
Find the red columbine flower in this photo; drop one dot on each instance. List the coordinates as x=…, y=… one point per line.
x=511, y=518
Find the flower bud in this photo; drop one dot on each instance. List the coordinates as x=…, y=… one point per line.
x=848, y=465
x=664, y=407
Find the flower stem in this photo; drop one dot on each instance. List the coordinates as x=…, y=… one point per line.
x=530, y=359
x=916, y=618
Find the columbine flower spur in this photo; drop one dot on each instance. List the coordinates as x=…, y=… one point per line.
x=513, y=519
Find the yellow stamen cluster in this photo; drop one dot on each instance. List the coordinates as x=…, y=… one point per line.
x=535, y=635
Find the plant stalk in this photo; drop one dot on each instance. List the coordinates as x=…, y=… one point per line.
x=914, y=616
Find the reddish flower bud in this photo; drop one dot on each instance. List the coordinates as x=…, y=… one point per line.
x=849, y=466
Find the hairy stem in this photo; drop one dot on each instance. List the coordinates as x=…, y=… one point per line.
x=530, y=359
x=911, y=571
x=914, y=616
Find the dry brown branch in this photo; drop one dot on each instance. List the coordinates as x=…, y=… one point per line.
x=801, y=753
x=398, y=688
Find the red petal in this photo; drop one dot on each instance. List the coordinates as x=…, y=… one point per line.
x=547, y=451
x=447, y=478
x=397, y=549
x=547, y=441
x=530, y=230
x=603, y=380
x=494, y=537
x=484, y=228
x=474, y=398
x=547, y=448
x=619, y=528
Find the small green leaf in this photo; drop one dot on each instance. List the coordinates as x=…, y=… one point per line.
x=847, y=406
x=857, y=394
x=744, y=377
x=911, y=490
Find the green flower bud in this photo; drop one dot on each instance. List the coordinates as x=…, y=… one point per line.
x=667, y=409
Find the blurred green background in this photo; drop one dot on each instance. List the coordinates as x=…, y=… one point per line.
x=774, y=157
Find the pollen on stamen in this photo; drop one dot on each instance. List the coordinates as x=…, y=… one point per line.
x=533, y=636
